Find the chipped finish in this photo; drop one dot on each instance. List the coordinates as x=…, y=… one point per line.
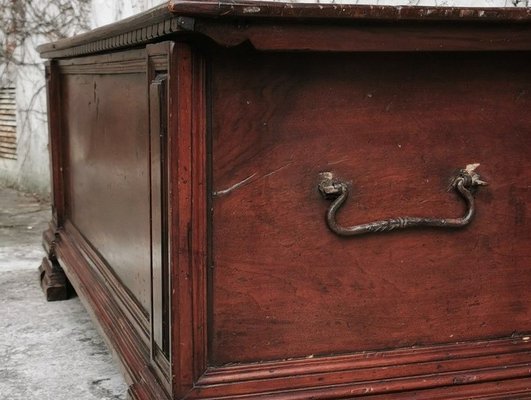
x=261, y=9
x=338, y=191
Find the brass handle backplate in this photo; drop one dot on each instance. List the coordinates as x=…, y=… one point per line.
x=337, y=191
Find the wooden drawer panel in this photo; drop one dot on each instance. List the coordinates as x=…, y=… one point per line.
x=396, y=127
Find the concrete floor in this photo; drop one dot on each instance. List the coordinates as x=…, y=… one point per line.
x=47, y=350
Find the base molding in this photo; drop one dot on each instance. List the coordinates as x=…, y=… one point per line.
x=497, y=369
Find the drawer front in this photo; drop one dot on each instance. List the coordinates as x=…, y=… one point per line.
x=396, y=128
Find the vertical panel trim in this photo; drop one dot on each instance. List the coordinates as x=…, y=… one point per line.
x=56, y=142
x=159, y=226
x=160, y=310
x=188, y=226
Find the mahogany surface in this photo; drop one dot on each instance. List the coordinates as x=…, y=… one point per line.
x=396, y=127
x=187, y=145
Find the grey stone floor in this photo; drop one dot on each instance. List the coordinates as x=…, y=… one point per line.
x=47, y=350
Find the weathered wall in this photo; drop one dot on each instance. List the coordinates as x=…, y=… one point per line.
x=105, y=12
x=31, y=170
x=23, y=26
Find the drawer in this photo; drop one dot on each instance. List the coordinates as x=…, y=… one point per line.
x=395, y=128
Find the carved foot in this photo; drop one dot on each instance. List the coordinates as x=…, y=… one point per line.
x=53, y=281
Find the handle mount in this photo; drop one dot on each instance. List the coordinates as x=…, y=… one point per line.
x=337, y=191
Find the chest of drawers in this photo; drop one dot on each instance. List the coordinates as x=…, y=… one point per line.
x=283, y=201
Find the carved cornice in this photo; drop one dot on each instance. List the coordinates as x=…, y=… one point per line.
x=138, y=30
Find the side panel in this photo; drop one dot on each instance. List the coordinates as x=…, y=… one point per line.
x=135, y=182
x=113, y=241
x=108, y=182
x=396, y=128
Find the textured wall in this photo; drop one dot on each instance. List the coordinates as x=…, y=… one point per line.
x=39, y=23
x=105, y=12
x=30, y=170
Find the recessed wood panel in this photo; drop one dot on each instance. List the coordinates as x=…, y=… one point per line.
x=108, y=183
x=396, y=127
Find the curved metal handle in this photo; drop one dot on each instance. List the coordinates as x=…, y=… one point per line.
x=337, y=191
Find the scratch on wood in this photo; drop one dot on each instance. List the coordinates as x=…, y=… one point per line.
x=276, y=170
x=338, y=161
x=223, y=192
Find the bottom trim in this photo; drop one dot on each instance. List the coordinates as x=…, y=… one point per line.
x=497, y=369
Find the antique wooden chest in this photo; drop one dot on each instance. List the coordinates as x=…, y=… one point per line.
x=283, y=201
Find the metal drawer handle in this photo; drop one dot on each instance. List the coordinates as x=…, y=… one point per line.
x=337, y=191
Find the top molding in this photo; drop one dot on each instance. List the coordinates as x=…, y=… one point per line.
x=146, y=27
x=269, y=9
x=310, y=27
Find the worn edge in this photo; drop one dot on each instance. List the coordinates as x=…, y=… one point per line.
x=268, y=9
x=301, y=381
x=178, y=16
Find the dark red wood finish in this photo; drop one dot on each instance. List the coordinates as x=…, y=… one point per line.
x=187, y=215
x=395, y=126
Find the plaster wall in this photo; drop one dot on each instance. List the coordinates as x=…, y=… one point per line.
x=30, y=171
